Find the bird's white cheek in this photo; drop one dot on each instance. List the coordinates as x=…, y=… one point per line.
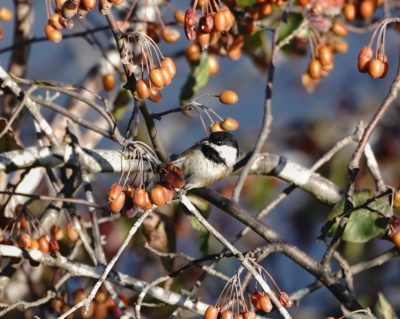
x=228, y=153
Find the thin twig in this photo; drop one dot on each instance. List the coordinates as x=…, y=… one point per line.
x=354, y=167
x=267, y=118
x=245, y=262
x=83, y=270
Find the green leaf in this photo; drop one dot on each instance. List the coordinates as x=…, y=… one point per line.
x=123, y=98
x=383, y=309
x=292, y=23
x=204, y=207
x=255, y=40
x=204, y=235
x=256, y=46
x=366, y=222
x=245, y=3
x=364, y=225
x=198, y=79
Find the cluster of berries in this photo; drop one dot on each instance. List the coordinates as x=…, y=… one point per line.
x=232, y=304
x=126, y=197
x=102, y=307
x=375, y=63
x=20, y=232
x=61, y=17
x=360, y=9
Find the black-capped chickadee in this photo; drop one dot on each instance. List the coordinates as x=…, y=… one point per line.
x=209, y=160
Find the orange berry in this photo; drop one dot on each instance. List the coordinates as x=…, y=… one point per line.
x=308, y=83
x=367, y=9
x=364, y=58
x=339, y=28
x=43, y=244
x=326, y=69
x=147, y=202
x=228, y=97
x=23, y=223
x=325, y=55
x=170, y=35
x=72, y=234
x=179, y=16
x=235, y=49
x=157, y=195
x=213, y=64
x=265, y=303
x=211, y=313
x=254, y=13
x=169, y=65
x=266, y=8
x=128, y=190
x=56, y=232
x=396, y=199
x=138, y=197
x=117, y=2
x=79, y=295
x=376, y=68
x=108, y=81
x=143, y=89
x=230, y=124
x=314, y=69
x=303, y=3
x=114, y=191
x=349, y=11
x=203, y=38
x=24, y=240
x=6, y=14
x=156, y=78
x=234, y=53
x=100, y=311
x=227, y=314
x=255, y=299
x=34, y=244
x=220, y=21
x=52, y=33
x=155, y=95
x=101, y=295
x=54, y=21
x=166, y=76
x=116, y=205
x=249, y=315
x=396, y=240
x=340, y=46
x=216, y=127
x=89, y=4
x=168, y=192
x=193, y=53
x=230, y=18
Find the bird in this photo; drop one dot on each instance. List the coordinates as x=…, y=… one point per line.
x=208, y=160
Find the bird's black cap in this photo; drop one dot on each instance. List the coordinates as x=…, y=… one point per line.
x=223, y=138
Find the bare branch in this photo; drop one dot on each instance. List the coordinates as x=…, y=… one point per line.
x=82, y=270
